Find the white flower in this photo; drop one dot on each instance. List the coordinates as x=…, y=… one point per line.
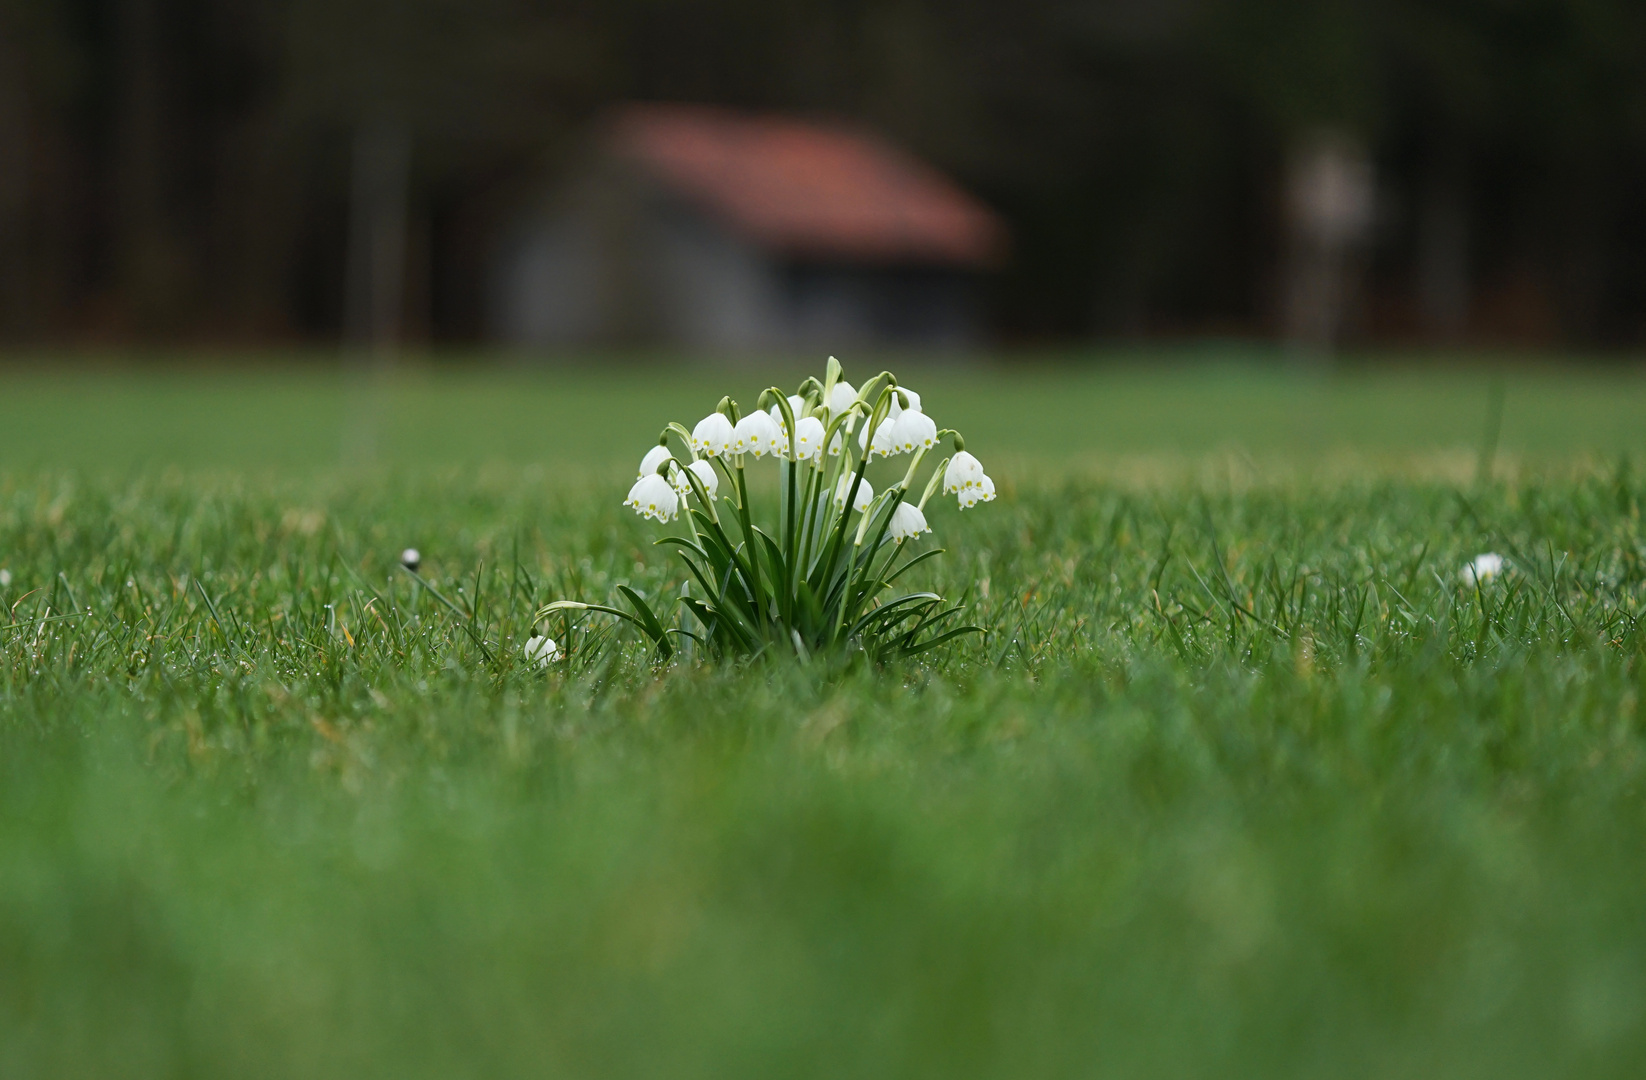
x=656, y=456
x=964, y=471
x=1483, y=569
x=913, y=429
x=5, y=578
x=841, y=398
x=907, y=521
x=808, y=438
x=653, y=497
x=410, y=559
x=758, y=434
x=797, y=405
x=982, y=491
x=865, y=494
x=705, y=472
x=883, y=444
x=897, y=401
x=540, y=651
x=712, y=436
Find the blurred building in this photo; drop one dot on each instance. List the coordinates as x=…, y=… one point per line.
x=716, y=229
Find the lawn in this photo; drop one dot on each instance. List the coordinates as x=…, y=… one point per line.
x=1242, y=781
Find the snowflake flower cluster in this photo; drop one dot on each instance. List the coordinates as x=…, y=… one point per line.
x=810, y=428
x=811, y=573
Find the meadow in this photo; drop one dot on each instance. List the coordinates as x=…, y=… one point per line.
x=1243, y=780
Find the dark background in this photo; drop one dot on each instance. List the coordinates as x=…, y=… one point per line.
x=178, y=171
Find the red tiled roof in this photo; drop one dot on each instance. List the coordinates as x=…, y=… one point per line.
x=809, y=189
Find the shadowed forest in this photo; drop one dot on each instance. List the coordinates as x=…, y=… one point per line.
x=182, y=171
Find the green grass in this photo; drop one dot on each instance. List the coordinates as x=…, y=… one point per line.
x=1243, y=782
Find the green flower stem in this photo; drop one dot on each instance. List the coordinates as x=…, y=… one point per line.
x=931, y=485
x=755, y=584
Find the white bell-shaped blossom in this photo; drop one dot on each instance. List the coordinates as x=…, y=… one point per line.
x=907, y=521
x=758, y=434
x=841, y=398
x=541, y=651
x=713, y=435
x=656, y=456
x=964, y=470
x=797, y=405
x=1482, y=569
x=653, y=497
x=980, y=492
x=897, y=401
x=913, y=430
x=808, y=438
x=865, y=494
x=883, y=444
x=704, y=471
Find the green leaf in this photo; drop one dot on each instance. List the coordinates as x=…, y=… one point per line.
x=918, y=559
x=648, y=621
x=932, y=643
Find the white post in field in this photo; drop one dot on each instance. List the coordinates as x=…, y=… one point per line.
x=377, y=237
x=1329, y=208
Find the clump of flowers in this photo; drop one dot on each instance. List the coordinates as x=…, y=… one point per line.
x=815, y=576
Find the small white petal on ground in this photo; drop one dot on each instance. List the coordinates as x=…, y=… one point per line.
x=1483, y=569
x=541, y=651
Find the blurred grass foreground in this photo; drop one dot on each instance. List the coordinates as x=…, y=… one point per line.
x=1243, y=781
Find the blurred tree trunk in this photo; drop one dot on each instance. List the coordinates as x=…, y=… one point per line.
x=1584, y=220
x=377, y=236
x=15, y=161
x=1443, y=281
x=150, y=260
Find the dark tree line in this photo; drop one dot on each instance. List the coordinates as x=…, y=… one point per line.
x=184, y=169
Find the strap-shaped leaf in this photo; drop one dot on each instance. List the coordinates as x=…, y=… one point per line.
x=780, y=573
x=658, y=638
x=886, y=611
x=916, y=561
x=940, y=639
x=648, y=621
x=929, y=620
x=808, y=613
